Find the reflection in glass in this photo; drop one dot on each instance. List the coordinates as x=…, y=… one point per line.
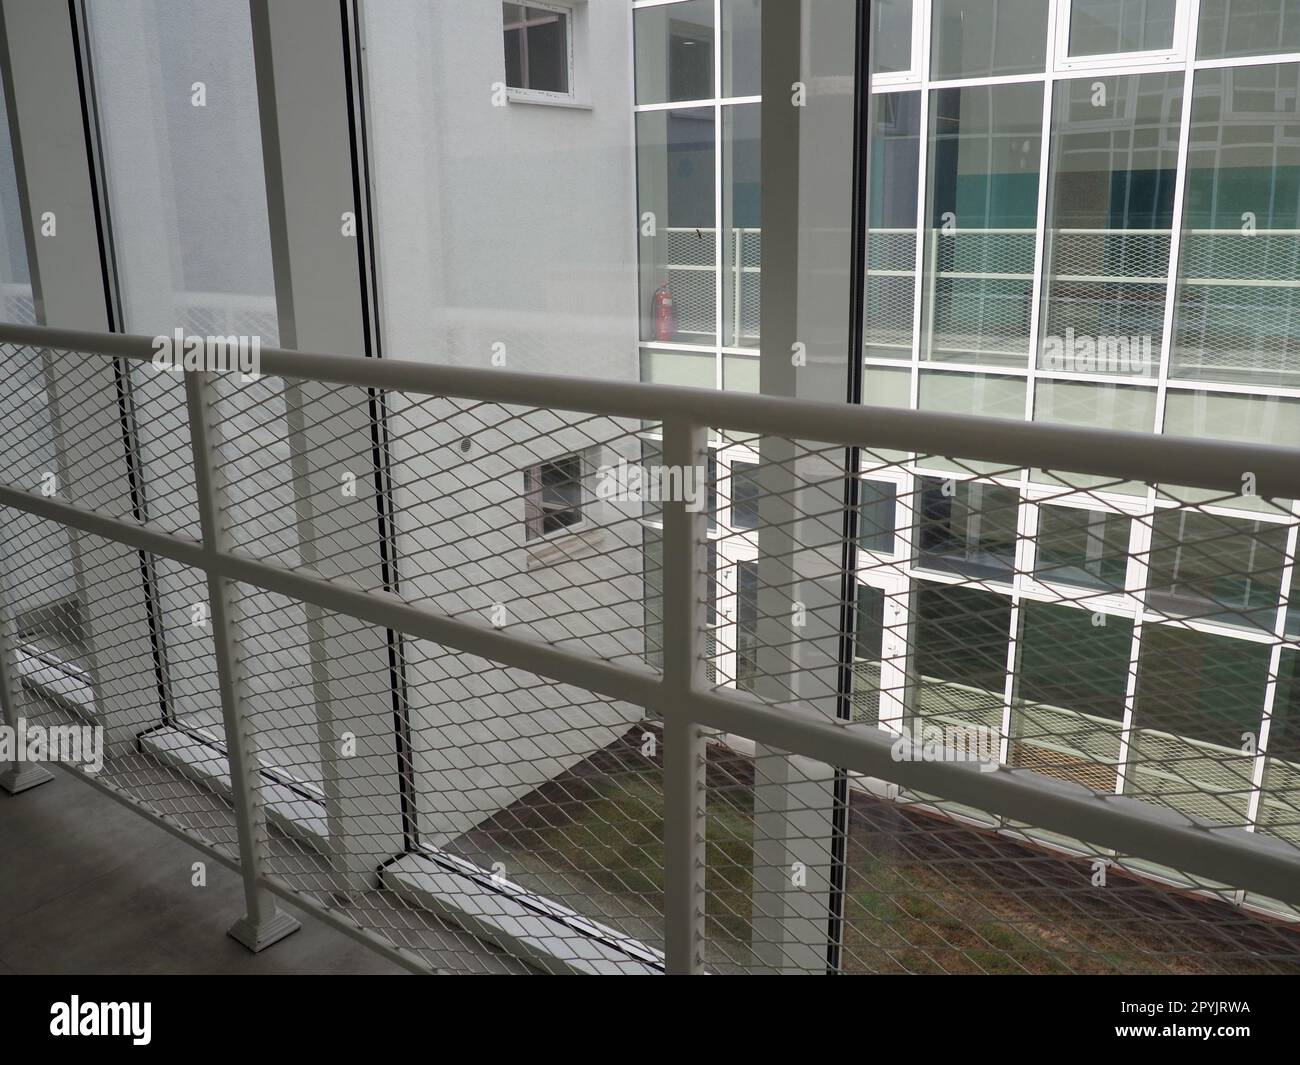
x=1102, y=27
x=1198, y=685
x=982, y=196
x=742, y=43
x=1094, y=405
x=742, y=219
x=674, y=52
x=1218, y=569
x=1114, y=154
x=1067, y=661
x=891, y=241
x=1084, y=548
x=1247, y=27
x=1238, y=303
x=891, y=36
x=967, y=527
x=869, y=633
x=961, y=639
x=877, y=505
x=675, y=182
x=746, y=625
x=979, y=38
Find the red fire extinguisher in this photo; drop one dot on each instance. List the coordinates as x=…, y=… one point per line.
x=661, y=308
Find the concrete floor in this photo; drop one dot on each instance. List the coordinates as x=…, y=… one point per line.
x=88, y=886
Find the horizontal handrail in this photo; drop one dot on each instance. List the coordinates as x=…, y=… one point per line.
x=1184, y=461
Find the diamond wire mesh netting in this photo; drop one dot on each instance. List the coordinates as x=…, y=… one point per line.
x=101, y=657
x=1132, y=639
x=524, y=811
x=505, y=515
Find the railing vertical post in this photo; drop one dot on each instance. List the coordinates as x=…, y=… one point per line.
x=263, y=922
x=685, y=583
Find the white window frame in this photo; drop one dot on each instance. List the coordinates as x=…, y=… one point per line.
x=1175, y=55
x=920, y=34
x=523, y=95
x=535, y=509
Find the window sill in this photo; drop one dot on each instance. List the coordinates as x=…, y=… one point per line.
x=519, y=97
x=565, y=546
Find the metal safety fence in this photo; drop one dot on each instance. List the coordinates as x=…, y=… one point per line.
x=516, y=673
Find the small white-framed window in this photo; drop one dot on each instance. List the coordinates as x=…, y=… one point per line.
x=897, y=41
x=553, y=497
x=538, y=40
x=1109, y=33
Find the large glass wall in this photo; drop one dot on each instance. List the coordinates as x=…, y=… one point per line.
x=1107, y=238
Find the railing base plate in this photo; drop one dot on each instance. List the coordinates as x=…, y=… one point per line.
x=257, y=937
x=21, y=777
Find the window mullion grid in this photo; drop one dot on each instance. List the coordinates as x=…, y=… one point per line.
x=1141, y=527
x=1026, y=512
x=1259, y=767
x=1137, y=577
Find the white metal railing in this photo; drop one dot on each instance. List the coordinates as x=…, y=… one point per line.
x=677, y=695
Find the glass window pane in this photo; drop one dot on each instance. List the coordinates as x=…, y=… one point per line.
x=884, y=386
x=891, y=241
x=191, y=251
x=1203, y=687
x=740, y=373
x=973, y=393
x=1101, y=27
x=1085, y=548
x=537, y=48
x=867, y=653
x=745, y=492
x=990, y=395
x=1070, y=684
x=1284, y=732
x=1094, y=406
x=877, y=503
x=674, y=52
x=675, y=184
x=742, y=47
x=967, y=527
x=1247, y=27
x=1068, y=662
x=961, y=639
x=1114, y=154
x=982, y=197
x=1213, y=568
x=1238, y=304
x=679, y=368
x=746, y=625
x=15, y=283
x=187, y=204
x=979, y=38
x=742, y=222
x=1224, y=416
x=891, y=36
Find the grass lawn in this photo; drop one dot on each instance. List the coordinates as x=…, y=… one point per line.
x=923, y=894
